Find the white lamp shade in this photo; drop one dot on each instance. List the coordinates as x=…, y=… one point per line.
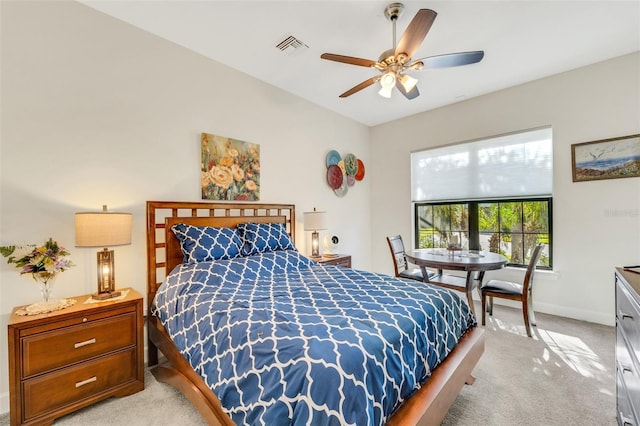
x=408, y=82
x=314, y=221
x=388, y=80
x=103, y=229
x=385, y=92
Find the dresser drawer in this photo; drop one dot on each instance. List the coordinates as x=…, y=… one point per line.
x=54, y=349
x=55, y=390
x=625, y=414
x=628, y=316
x=628, y=367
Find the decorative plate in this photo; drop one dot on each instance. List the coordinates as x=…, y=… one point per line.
x=350, y=164
x=351, y=180
x=360, y=174
x=342, y=190
x=333, y=157
x=334, y=176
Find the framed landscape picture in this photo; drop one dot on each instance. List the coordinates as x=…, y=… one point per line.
x=606, y=159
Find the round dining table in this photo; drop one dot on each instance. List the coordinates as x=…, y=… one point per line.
x=474, y=263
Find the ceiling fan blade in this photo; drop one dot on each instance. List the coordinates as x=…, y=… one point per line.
x=360, y=86
x=452, y=59
x=411, y=94
x=348, y=59
x=416, y=32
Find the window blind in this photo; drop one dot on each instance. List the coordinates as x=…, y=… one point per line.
x=514, y=165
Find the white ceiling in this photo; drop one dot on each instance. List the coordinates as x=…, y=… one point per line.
x=522, y=41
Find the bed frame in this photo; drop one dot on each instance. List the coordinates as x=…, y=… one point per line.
x=428, y=406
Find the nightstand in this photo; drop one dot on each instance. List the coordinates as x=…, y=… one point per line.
x=68, y=359
x=343, y=260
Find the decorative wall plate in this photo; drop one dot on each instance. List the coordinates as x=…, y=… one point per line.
x=350, y=164
x=360, y=173
x=333, y=157
x=343, y=172
x=334, y=176
x=342, y=190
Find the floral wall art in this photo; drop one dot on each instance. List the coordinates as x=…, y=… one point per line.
x=343, y=173
x=230, y=169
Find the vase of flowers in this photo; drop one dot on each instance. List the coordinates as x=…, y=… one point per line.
x=45, y=281
x=42, y=262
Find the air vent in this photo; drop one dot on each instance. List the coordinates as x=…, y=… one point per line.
x=291, y=45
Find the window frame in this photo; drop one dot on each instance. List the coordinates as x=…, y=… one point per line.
x=473, y=230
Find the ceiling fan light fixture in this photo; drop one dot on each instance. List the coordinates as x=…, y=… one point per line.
x=385, y=92
x=407, y=82
x=394, y=62
x=388, y=80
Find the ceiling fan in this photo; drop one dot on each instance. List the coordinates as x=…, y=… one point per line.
x=393, y=63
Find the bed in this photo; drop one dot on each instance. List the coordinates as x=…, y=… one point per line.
x=387, y=397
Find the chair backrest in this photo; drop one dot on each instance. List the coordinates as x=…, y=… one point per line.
x=397, y=253
x=527, y=284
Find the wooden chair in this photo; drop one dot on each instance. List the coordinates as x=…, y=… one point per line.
x=514, y=291
x=400, y=264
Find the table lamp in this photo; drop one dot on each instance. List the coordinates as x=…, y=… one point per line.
x=315, y=221
x=104, y=229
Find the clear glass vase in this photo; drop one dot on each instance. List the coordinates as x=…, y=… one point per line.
x=45, y=281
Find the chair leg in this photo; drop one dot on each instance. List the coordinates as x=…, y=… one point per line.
x=484, y=307
x=491, y=305
x=532, y=315
x=525, y=314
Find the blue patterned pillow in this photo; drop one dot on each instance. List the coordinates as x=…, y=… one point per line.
x=206, y=243
x=264, y=237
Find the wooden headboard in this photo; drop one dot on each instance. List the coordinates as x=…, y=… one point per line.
x=163, y=248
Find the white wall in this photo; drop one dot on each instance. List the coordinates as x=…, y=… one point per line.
x=596, y=225
x=97, y=112
x=94, y=111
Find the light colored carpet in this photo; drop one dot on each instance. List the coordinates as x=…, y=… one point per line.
x=564, y=375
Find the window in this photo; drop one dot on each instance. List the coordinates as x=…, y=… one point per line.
x=493, y=194
x=509, y=227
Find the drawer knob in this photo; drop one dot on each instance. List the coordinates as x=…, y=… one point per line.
x=86, y=382
x=85, y=343
x=84, y=320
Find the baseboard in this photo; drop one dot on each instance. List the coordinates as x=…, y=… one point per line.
x=562, y=311
x=4, y=403
x=577, y=314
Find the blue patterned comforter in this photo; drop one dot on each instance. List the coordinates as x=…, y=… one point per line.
x=281, y=339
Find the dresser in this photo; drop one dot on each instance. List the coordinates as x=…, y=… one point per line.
x=65, y=360
x=628, y=347
x=343, y=260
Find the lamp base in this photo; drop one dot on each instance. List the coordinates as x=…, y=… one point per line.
x=106, y=295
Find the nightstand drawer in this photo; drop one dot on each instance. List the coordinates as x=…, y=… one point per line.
x=343, y=260
x=71, y=385
x=54, y=349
